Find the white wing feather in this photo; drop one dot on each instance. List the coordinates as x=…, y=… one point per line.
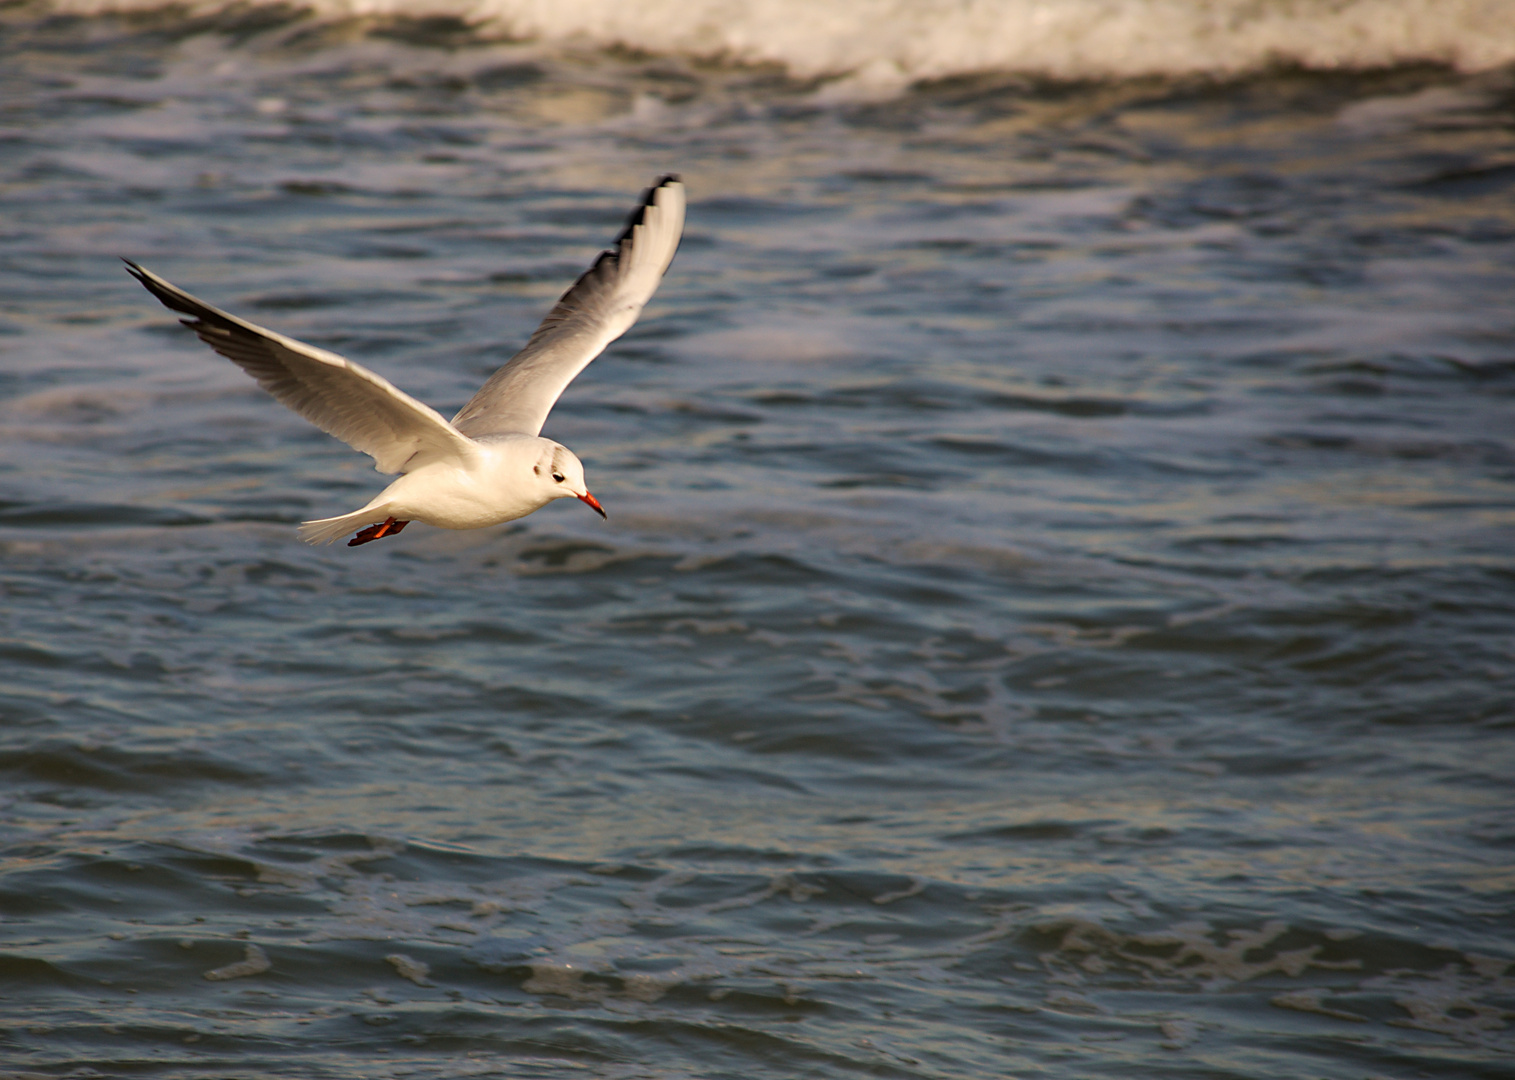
x=600, y=307
x=341, y=398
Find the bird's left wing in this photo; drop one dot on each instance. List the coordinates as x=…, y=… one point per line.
x=600, y=307
x=344, y=399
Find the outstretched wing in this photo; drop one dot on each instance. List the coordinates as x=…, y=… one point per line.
x=341, y=398
x=601, y=306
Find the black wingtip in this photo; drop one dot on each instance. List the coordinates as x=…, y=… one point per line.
x=640, y=213
x=167, y=299
x=200, y=314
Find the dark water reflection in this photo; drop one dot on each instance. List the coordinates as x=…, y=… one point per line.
x=1055, y=616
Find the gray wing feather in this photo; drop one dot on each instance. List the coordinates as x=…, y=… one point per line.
x=341, y=398
x=600, y=307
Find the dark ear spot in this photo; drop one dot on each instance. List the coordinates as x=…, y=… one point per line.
x=537, y=469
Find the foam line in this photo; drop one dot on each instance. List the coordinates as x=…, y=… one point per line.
x=895, y=42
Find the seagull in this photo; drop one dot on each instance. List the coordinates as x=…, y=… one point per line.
x=489, y=463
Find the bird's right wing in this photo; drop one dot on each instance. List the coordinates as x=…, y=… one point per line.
x=341, y=398
x=601, y=306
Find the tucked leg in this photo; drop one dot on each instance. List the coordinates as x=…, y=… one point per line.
x=387, y=527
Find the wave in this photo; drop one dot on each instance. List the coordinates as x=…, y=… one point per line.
x=890, y=43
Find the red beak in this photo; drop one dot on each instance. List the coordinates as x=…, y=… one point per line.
x=594, y=504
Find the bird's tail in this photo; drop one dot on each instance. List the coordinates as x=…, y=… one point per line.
x=325, y=530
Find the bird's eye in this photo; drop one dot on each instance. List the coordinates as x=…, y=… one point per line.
x=558, y=477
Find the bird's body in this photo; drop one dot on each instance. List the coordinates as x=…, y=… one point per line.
x=502, y=479
x=489, y=464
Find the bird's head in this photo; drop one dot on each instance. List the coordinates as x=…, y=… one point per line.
x=561, y=474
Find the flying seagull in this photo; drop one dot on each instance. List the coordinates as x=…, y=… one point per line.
x=489, y=464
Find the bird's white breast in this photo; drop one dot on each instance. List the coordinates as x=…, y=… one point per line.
x=496, y=484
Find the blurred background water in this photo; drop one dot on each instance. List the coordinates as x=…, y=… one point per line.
x=1055, y=617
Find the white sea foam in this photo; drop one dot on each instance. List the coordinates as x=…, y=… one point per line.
x=256, y=962
x=881, y=45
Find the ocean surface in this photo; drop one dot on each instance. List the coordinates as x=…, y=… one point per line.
x=1056, y=617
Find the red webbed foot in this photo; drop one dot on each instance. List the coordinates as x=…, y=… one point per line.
x=388, y=527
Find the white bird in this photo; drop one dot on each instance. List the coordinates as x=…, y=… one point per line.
x=489, y=464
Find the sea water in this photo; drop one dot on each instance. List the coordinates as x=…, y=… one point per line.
x=1056, y=616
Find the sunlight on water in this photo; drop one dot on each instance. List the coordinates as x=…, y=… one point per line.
x=1054, y=616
